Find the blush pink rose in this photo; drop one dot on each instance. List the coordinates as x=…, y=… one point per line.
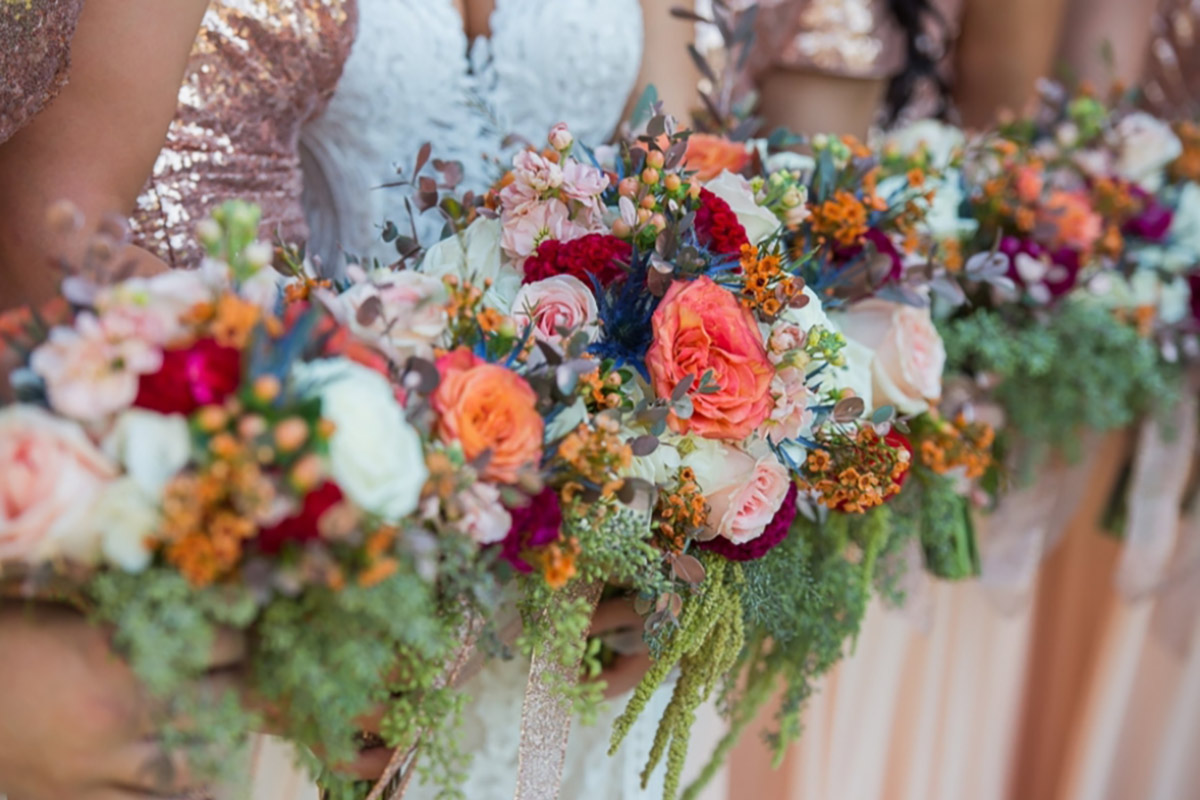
x=560, y=301
x=909, y=356
x=92, y=369
x=743, y=492
x=52, y=475
x=700, y=327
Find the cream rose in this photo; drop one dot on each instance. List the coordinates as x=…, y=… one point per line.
x=940, y=140
x=660, y=467
x=126, y=523
x=908, y=354
x=375, y=456
x=743, y=491
x=51, y=474
x=411, y=306
x=735, y=190
x=560, y=301
x=474, y=255
x=1147, y=145
x=151, y=447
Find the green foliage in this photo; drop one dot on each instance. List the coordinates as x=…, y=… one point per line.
x=931, y=508
x=1080, y=368
x=705, y=647
x=803, y=602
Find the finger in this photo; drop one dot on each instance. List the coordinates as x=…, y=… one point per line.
x=369, y=764
x=625, y=672
x=614, y=614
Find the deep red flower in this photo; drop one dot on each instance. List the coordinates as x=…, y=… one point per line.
x=774, y=534
x=201, y=374
x=304, y=525
x=1194, y=285
x=597, y=255
x=1153, y=220
x=534, y=525
x=717, y=227
x=1062, y=274
x=884, y=246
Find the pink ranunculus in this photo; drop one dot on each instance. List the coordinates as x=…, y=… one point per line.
x=743, y=491
x=560, y=137
x=561, y=301
x=411, y=316
x=909, y=356
x=91, y=370
x=583, y=183
x=790, y=414
x=484, y=518
x=533, y=176
x=522, y=233
x=51, y=476
x=153, y=308
x=700, y=328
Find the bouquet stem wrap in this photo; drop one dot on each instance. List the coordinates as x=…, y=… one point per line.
x=546, y=715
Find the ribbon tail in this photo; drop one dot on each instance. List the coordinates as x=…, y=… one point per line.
x=546, y=714
x=1160, y=473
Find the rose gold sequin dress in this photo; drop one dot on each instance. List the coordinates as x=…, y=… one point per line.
x=35, y=52
x=258, y=70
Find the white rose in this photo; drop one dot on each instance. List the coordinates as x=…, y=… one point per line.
x=1147, y=145
x=560, y=301
x=759, y=222
x=944, y=219
x=474, y=255
x=151, y=447
x=806, y=318
x=908, y=354
x=375, y=456
x=788, y=161
x=660, y=467
x=1174, y=305
x=855, y=375
x=126, y=521
x=412, y=314
x=940, y=140
x=1185, y=229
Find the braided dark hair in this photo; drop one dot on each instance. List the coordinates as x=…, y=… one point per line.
x=928, y=37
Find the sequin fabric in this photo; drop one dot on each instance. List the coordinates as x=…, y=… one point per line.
x=1172, y=85
x=258, y=70
x=35, y=53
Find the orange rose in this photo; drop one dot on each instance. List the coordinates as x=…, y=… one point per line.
x=488, y=409
x=709, y=155
x=700, y=327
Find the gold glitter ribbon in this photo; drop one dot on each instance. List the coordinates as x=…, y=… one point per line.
x=546, y=714
x=399, y=771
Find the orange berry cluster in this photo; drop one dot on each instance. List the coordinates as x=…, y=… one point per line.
x=854, y=472
x=950, y=445
x=679, y=512
x=766, y=288
x=842, y=218
x=595, y=454
x=1187, y=166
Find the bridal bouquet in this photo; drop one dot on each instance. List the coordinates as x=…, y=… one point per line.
x=746, y=386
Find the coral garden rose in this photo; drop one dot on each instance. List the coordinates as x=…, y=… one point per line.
x=909, y=356
x=52, y=475
x=743, y=491
x=711, y=155
x=489, y=410
x=700, y=327
x=563, y=302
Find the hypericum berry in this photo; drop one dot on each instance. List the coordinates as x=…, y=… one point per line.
x=650, y=176
x=628, y=187
x=648, y=201
x=655, y=159
x=672, y=182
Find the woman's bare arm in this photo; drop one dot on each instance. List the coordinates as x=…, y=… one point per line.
x=96, y=143
x=665, y=60
x=1106, y=40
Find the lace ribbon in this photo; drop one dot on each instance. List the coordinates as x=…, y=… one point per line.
x=1160, y=474
x=546, y=715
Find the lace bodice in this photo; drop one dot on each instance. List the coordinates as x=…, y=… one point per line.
x=413, y=77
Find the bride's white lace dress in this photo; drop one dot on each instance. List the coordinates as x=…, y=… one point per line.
x=413, y=77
